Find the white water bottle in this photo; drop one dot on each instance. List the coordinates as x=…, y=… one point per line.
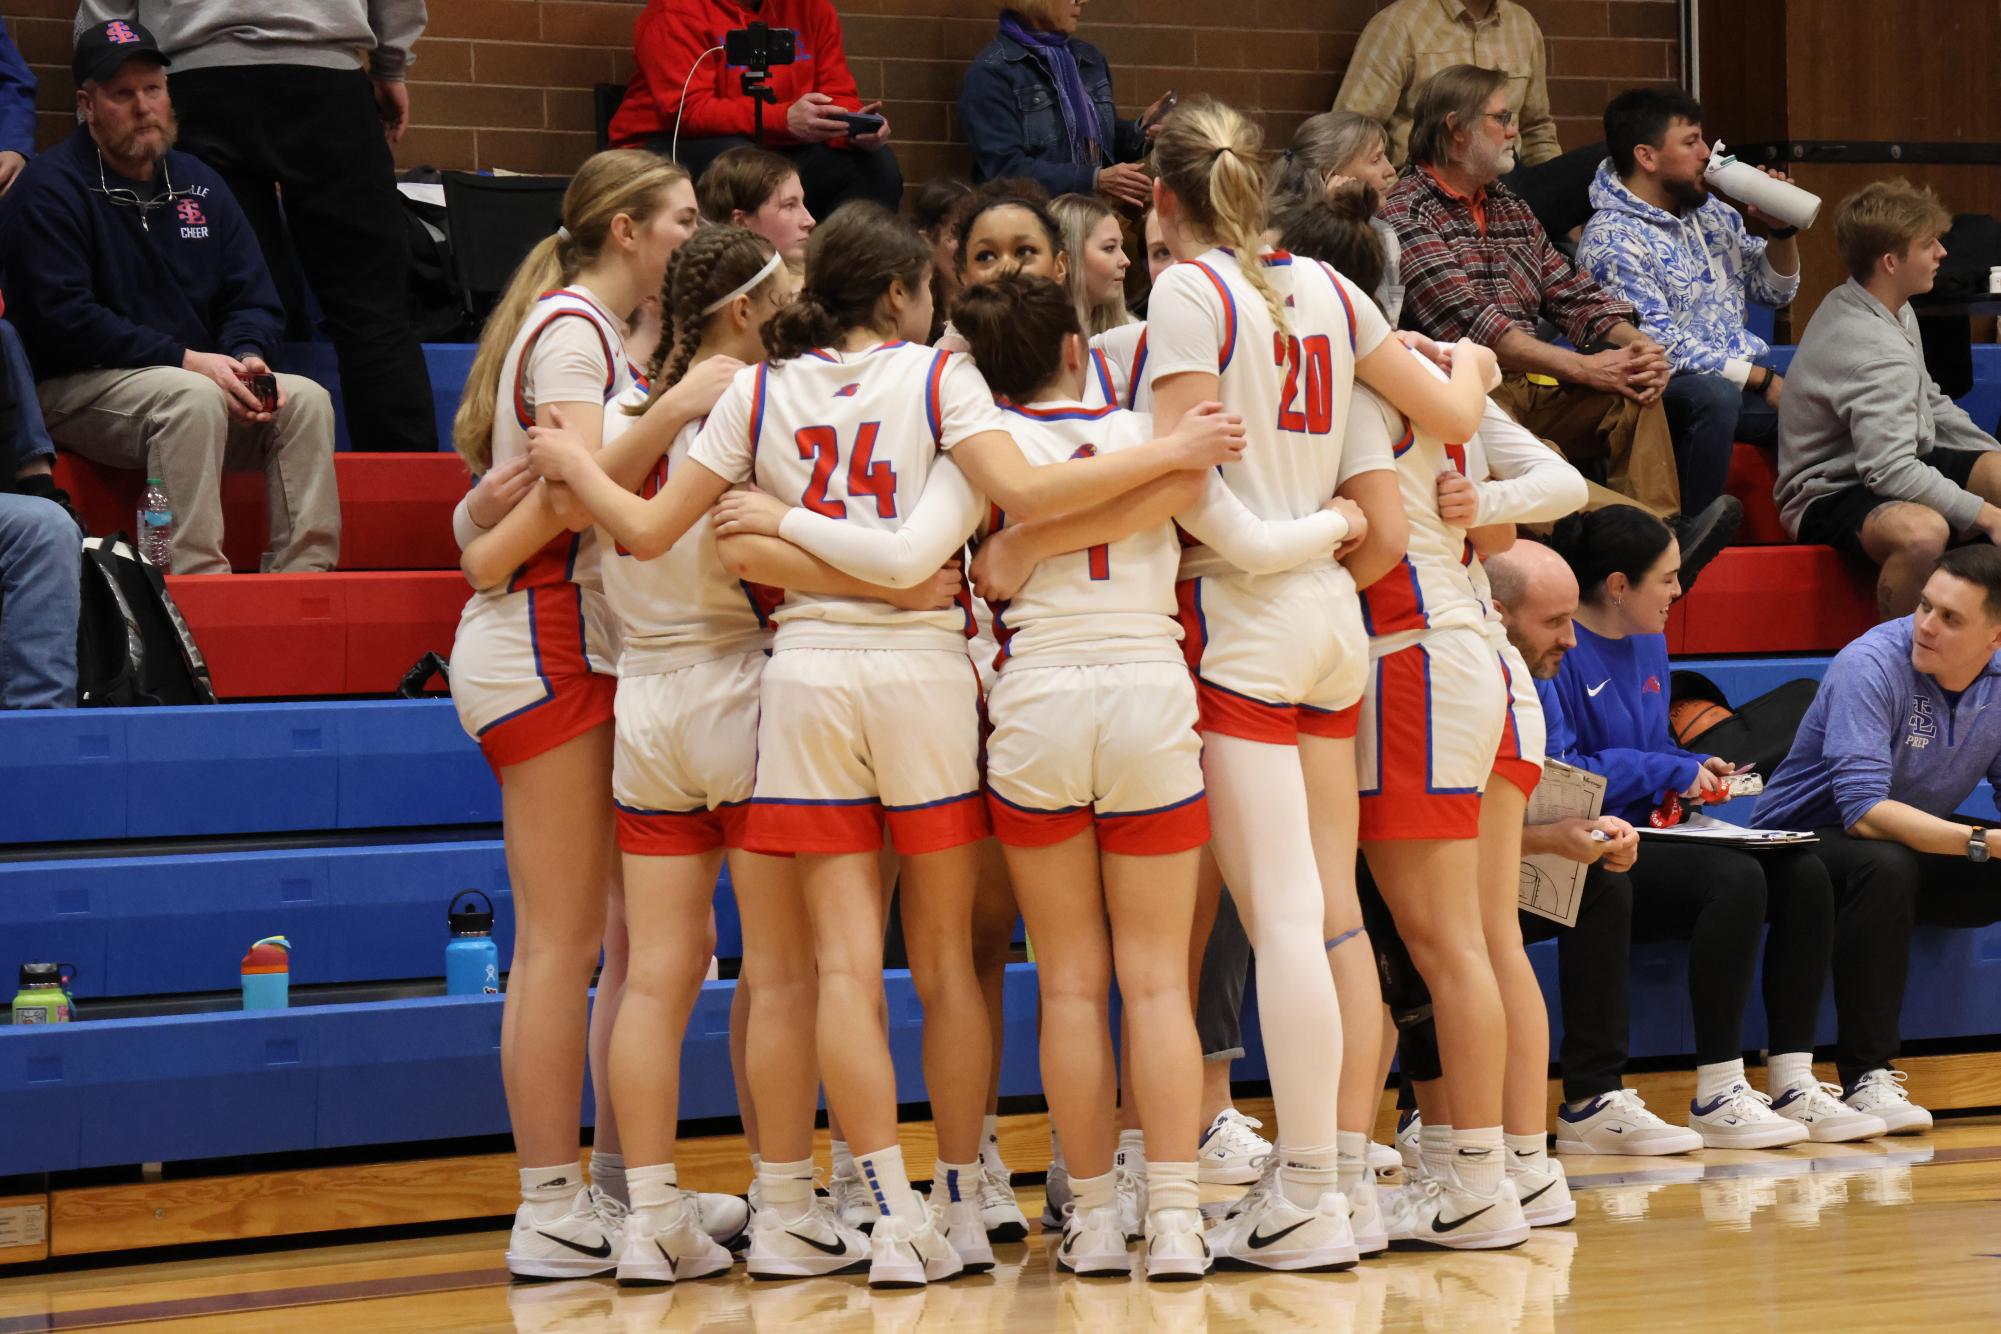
x=156, y=526
x=1744, y=183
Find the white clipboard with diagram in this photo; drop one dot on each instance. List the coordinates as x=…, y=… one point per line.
x=1552, y=885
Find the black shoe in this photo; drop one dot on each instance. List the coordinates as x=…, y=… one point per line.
x=1703, y=536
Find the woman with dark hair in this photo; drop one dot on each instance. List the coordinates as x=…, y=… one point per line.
x=1037, y=102
x=1612, y=690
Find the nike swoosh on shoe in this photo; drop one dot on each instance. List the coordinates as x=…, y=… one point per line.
x=1258, y=1241
x=1440, y=1225
x=601, y=1251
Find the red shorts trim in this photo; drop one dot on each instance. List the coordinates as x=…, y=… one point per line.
x=1400, y=817
x=938, y=825
x=576, y=704
x=1019, y=827
x=1519, y=772
x=1337, y=724
x=1226, y=712
x=681, y=833
x=777, y=826
x=1156, y=833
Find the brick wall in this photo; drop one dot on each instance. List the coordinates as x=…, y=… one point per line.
x=507, y=83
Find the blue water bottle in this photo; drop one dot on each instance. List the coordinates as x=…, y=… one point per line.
x=472, y=960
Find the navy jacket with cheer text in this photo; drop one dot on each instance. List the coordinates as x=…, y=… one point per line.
x=1614, y=693
x=90, y=288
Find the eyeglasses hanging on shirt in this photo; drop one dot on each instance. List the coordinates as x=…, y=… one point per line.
x=133, y=199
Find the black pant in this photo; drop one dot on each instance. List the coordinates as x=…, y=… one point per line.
x=831, y=176
x=316, y=135
x=1558, y=191
x=1880, y=891
x=1594, y=983
x=1716, y=899
x=1219, y=994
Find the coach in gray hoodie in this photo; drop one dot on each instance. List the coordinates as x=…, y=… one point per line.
x=275, y=96
x=1873, y=457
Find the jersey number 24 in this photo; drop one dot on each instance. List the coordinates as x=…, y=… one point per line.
x=822, y=444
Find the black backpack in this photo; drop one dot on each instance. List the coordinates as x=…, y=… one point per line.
x=132, y=644
x=1757, y=734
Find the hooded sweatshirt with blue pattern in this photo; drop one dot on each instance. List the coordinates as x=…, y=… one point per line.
x=1688, y=276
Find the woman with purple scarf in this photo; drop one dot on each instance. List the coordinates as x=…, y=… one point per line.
x=1037, y=102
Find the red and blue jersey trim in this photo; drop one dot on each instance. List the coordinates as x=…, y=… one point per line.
x=1138, y=372
x=757, y=407
x=1346, y=305
x=1104, y=370
x=1034, y=413
x=1229, y=349
x=934, y=408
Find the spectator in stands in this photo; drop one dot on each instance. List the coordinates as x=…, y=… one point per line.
x=40, y=551
x=1682, y=258
x=671, y=42
x=1873, y=457
x=1037, y=102
x=755, y=188
x=273, y=97
x=17, y=111
x=1536, y=594
x=1904, y=727
x=1411, y=40
x=1339, y=152
x=1477, y=264
x=144, y=304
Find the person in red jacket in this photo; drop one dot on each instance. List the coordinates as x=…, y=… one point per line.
x=714, y=115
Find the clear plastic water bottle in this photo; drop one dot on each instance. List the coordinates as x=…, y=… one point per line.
x=156, y=525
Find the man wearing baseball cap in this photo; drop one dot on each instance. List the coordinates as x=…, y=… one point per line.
x=147, y=312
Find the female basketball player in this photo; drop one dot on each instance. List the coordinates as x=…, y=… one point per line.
x=1281, y=660
x=868, y=712
x=1098, y=263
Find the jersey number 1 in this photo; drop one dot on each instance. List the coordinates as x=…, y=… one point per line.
x=1317, y=353
x=822, y=444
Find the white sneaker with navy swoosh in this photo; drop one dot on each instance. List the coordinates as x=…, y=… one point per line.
x=1740, y=1117
x=907, y=1255
x=1094, y=1245
x=1231, y=1150
x=812, y=1244
x=1881, y=1094
x=1619, y=1123
x=1827, y=1118
x=1448, y=1216
x=1275, y=1233
x=669, y=1248
x=1544, y=1194
x=578, y=1243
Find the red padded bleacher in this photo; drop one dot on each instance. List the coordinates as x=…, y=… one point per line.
x=276, y=635
x=1775, y=599
x=1754, y=474
x=395, y=509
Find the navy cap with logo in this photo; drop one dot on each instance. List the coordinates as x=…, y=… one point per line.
x=103, y=47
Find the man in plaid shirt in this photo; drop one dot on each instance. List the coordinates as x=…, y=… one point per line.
x=1477, y=264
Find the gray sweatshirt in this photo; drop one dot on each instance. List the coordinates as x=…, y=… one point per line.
x=200, y=34
x=1860, y=407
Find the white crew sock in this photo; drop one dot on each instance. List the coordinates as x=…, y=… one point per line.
x=1434, y=1148
x=954, y=1183
x=1715, y=1080
x=1131, y=1153
x=1528, y=1152
x=1171, y=1186
x=550, y=1191
x=1479, y=1156
x=1351, y=1148
x=884, y=1174
x=844, y=1161
x=991, y=1161
x=786, y=1187
x=1788, y=1069
x=1308, y=1172
x=1088, y=1193
x=653, y=1188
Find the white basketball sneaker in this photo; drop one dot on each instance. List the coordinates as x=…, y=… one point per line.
x=1881, y=1094
x=1129, y=1179
x=582, y=1242
x=1384, y=1158
x=1446, y=1215
x=1094, y=1245
x=724, y=1217
x=1365, y=1217
x=1410, y=1126
x=1619, y=1123
x=1230, y=1150
x=1544, y=1194
x=813, y=1244
x=905, y=1256
x=1275, y=1233
x=1175, y=1249
x=1740, y=1117
x=1000, y=1211
x=853, y=1202
x=1398, y=1205
x=1828, y=1120
x=669, y=1248
x=958, y=1222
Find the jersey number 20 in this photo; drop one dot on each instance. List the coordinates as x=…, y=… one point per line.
x=1317, y=354
x=822, y=444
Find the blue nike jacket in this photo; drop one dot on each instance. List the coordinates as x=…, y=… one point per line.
x=1613, y=693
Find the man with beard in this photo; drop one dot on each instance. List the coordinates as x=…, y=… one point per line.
x=1478, y=265
x=146, y=309
x=1681, y=256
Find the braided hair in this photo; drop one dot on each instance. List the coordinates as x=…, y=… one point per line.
x=712, y=263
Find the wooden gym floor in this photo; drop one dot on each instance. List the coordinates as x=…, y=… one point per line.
x=1898, y=1234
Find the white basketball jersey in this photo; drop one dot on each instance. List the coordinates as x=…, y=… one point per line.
x=1110, y=603
x=1117, y=375
x=681, y=608
x=568, y=556
x=850, y=435
x=1292, y=388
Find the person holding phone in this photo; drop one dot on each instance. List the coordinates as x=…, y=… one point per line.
x=686, y=99
x=1037, y=102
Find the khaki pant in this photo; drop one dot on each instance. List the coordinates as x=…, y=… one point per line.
x=173, y=424
x=1585, y=424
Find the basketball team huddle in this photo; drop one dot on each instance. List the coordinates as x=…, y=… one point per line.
x=1232, y=629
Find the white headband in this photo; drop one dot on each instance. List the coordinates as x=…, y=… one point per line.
x=770, y=267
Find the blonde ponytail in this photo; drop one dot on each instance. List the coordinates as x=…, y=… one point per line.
x=1212, y=157
x=625, y=180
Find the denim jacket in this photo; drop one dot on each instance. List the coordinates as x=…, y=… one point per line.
x=1009, y=112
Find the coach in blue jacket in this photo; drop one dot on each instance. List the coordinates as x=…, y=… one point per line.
x=1906, y=724
x=143, y=301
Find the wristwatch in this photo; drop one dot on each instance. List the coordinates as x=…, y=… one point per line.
x=1976, y=846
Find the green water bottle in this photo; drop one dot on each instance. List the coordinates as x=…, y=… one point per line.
x=44, y=996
